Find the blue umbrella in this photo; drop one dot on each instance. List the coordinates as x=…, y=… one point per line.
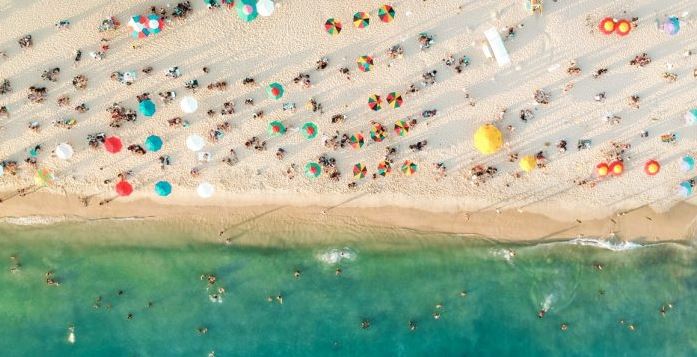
x=687, y=163
x=153, y=143
x=163, y=188
x=672, y=25
x=147, y=108
x=685, y=188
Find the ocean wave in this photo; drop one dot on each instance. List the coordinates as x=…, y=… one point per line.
x=335, y=256
x=616, y=246
x=48, y=220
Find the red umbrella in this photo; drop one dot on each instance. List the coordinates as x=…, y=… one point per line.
x=113, y=144
x=123, y=188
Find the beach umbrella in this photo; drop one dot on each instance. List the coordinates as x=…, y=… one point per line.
x=188, y=104
x=409, y=168
x=247, y=10
x=276, y=128
x=691, y=117
x=671, y=26
x=528, y=163
x=602, y=169
x=265, y=7
x=607, y=25
x=113, y=144
x=375, y=102
x=64, y=151
x=275, y=90
x=43, y=177
x=333, y=26
x=195, y=142
x=361, y=20
x=365, y=63
x=386, y=13
x=357, y=140
x=652, y=167
x=623, y=27
x=687, y=163
x=359, y=171
x=685, y=188
x=205, y=190
x=2, y=170
x=616, y=168
x=229, y=2
x=310, y=130
x=123, y=188
x=395, y=100
x=313, y=170
x=144, y=26
x=378, y=132
x=401, y=128
x=384, y=168
x=163, y=188
x=488, y=139
x=147, y=108
x=153, y=143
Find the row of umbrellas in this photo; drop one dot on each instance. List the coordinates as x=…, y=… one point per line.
x=124, y=188
x=394, y=100
x=310, y=131
x=314, y=169
x=361, y=20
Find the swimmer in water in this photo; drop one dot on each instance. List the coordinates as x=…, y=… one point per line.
x=564, y=326
x=71, y=334
x=412, y=325
x=338, y=271
x=463, y=293
x=129, y=316
x=598, y=266
x=50, y=281
x=439, y=306
x=541, y=313
x=279, y=298
x=202, y=330
x=269, y=298
x=297, y=274
x=436, y=315
x=365, y=324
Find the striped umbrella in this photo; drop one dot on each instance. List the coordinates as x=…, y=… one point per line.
x=309, y=130
x=144, y=26
x=43, y=177
x=333, y=26
x=378, y=132
x=401, y=128
x=357, y=140
x=409, y=168
x=276, y=128
x=359, y=171
x=365, y=63
x=163, y=188
x=361, y=20
x=313, y=170
x=395, y=100
x=384, y=168
x=275, y=90
x=247, y=10
x=375, y=102
x=386, y=13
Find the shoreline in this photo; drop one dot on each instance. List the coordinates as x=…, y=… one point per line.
x=509, y=226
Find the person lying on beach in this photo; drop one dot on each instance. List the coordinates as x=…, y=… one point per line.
x=25, y=42
x=322, y=63
x=5, y=86
x=51, y=74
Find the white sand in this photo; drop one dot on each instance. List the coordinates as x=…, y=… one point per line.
x=279, y=47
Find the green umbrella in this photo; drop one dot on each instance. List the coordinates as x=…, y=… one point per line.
x=309, y=130
x=275, y=90
x=276, y=128
x=313, y=170
x=247, y=10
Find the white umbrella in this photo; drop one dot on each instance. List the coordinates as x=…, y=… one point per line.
x=64, y=151
x=188, y=104
x=2, y=170
x=205, y=190
x=195, y=142
x=265, y=7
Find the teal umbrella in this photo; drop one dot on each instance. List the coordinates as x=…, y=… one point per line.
x=163, y=188
x=247, y=10
x=153, y=143
x=147, y=108
x=275, y=90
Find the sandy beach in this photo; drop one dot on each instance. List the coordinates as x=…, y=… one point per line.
x=546, y=203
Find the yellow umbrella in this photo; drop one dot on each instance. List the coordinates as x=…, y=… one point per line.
x=528, y=163
x=43, y=177
x=488, y=139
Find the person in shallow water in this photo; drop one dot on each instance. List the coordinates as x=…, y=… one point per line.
x=297, y=274
x=412, y=325
x=365, y=324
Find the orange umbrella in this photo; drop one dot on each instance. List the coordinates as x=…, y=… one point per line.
x=652, y=167
x=602, y=169
x=607, y=25
x=617, y=168
x=623, y=27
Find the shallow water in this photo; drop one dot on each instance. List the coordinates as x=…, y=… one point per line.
x=321, y=312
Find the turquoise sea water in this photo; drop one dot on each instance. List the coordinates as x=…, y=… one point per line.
x=321, y=313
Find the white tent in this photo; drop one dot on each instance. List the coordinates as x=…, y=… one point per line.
x=205, y=190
